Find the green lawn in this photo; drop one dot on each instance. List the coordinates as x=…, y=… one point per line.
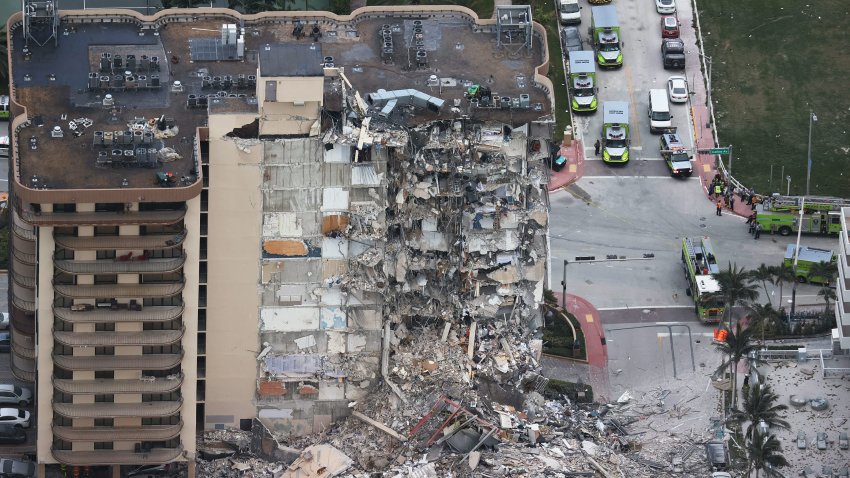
x=773, y=62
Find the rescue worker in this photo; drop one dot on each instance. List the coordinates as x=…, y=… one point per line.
x=596, y=147
x=758, y=230
x=719, y=207
x=718, y=189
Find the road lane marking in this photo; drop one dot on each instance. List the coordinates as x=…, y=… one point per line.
x=649, y=308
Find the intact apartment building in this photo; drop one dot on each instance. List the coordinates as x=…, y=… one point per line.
x=221, y=220
x=841, y=334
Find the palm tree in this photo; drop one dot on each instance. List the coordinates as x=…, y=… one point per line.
x=735, y=289
x=826, y=271
x=738, y=345
x=763, y=274
x=828, y=293
x=782, y=274
x=760, y=405
x=761, y=315
x=764, y=452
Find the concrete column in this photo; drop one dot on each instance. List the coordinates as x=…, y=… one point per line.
x=41, y=469
x=116, y=471
x=190, y=467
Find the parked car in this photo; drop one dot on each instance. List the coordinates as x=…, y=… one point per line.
x=15, y=417
x=5, y=342
x=11, y=393
x=677, y=89
x=669, y=27
x=717, y=454
x=4, y=320
x=12, y=435
x=151, y=471
x=10, y=468
x=843, y=442
x=673, y=53
x=801, y=440
x=821, y=440
x=571, y=40
x=665, y=7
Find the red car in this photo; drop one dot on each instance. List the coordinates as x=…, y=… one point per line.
x=669, y=27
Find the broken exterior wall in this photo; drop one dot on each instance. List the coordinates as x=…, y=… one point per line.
x=322, y=336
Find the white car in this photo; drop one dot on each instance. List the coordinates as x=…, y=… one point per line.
x=10, y=393
x=15, y=417
x=665, y=7
x=677, y=89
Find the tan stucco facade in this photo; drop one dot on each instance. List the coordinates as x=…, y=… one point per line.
x=233, y=254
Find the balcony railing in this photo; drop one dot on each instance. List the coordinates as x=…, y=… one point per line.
x=103, y=218
x=117, y=410
x=22, y=230
x=148, y=242
x=108, y=434
x=23, y=346
x=117, y=457
x=22, y=369
x=102, y=386
x=23, y=257
x=23, y=298
x=118, y=362
x=106, y=315
x=112, y=266
x=100, y=339
x=119, y=291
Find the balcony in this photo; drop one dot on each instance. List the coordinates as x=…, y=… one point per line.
x=27, y=247
x=119, y=291
x=107, y=434
x=23, y=346
x=21, y=371
x=21, y=322
x=23, y=280
x=23, y=298
x=117, y=410
x=104, y=218
x=24, y=257
x=118, y=362
x=108, y=386
x=105, y=316
x=149, y=242
x=99, y=339
x=116, y=457
x=112, y=266
x=21, y=229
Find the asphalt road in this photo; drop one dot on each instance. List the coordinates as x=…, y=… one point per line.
x=639, y=209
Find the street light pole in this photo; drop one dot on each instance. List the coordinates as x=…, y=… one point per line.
x=708, y=91
x=564, y=288
x=796, y=257
x=812, y=119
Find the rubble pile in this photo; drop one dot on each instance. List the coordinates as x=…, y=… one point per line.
x=449, y=231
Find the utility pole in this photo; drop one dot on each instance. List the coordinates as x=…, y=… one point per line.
x=708, y=91
x=564, y=288
x=812, y=119
x=797, y=256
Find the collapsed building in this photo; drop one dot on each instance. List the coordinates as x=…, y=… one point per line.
x=252, y=222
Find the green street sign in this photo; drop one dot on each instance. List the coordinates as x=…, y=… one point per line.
x=719, y=151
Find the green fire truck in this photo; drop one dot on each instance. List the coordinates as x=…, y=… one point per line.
x=821, y=215
x=700, y=269
x=808, y=257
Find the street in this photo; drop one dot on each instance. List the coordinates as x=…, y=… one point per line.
x=637, y=215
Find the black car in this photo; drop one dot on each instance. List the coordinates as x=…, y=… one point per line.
x=571, y=40
x=11, y=435
x=673, y=53
x=5, y=342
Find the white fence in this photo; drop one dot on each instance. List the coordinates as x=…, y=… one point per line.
x=810, y=354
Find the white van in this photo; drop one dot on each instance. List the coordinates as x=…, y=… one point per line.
x=568, y=12
x=660, y=119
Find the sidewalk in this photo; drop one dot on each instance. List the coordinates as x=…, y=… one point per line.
x=573, y=170
x=591, y=327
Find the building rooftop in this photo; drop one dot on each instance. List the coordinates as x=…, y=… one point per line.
x=66, y=86
x=291, y=59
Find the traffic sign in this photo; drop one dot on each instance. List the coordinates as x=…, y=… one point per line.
x=715, y=151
